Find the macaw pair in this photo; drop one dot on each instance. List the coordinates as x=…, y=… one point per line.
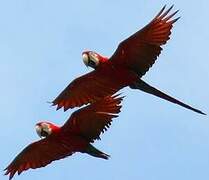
x=131, y=60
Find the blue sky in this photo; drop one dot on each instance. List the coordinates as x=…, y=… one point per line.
x=41, y=44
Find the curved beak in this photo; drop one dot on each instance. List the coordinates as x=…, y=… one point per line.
x=85, y=59
x=38, y=130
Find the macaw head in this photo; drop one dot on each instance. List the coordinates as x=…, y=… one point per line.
x=44, y=129
x=92, y=59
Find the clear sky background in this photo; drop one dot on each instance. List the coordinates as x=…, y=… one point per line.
x=40, y=53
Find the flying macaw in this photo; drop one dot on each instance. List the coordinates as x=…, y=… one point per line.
x=76, y=135
x=131, y=60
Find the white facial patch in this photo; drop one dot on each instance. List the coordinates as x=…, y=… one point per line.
x=43, y=130
x=94, y=57
x=45, y=127
x=85, y=59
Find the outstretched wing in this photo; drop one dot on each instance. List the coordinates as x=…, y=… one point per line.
x=86, y=89
x=140, y=50
x=95, y=118
x=39, y=154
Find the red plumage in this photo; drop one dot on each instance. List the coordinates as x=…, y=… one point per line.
x=131, y=60
x=83, y=127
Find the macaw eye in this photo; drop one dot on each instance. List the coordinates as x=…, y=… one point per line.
x=85, y=59
x=44, y=133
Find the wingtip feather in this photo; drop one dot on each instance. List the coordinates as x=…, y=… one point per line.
x=170, y=16
x=161, y=11
x=174, y=20
x=166, y=12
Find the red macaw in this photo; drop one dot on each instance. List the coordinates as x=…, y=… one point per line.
x=132, y=59
x=82, y=128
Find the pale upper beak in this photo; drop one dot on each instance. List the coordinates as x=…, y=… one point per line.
x=38, y=130
x=85, y=59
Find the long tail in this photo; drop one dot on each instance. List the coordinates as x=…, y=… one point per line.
x=151, y=90
x=91, y=150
